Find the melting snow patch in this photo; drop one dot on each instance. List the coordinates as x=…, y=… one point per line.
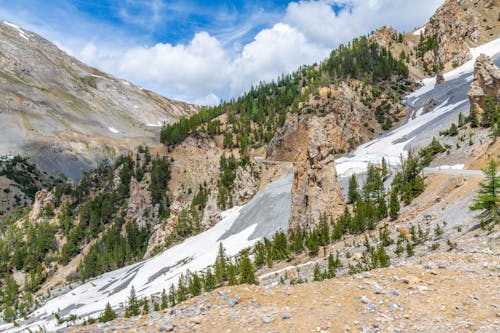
x=21, y=32
x=114, y=130
x=451, y=167
x=235, y=230
x=419, y=31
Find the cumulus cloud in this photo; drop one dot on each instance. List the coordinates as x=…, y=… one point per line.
x=206, y=68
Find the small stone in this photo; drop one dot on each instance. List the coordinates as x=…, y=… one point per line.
x=286, y=315
x=437, y=318
x=365, y=299
x=372, y=307
x=154, y=315
x=441, y=266
x=196, y=320
x=395, y=292
x=267, y=319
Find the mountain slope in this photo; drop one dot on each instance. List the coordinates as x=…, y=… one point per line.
x=66, y=115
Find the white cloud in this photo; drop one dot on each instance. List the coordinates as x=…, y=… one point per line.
x=216, y=65
x=280, y=49
x=196, y=69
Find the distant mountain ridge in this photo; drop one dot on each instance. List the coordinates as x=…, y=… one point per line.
x=66, y=115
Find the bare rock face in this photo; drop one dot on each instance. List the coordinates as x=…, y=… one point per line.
x=486, y=82
x=439, y=78
x=245, y=185
x=384, y=36
x=315, y=190
x=43, y=200
x=451, y=26
x=139, y=207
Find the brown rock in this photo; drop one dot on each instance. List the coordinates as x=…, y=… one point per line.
x=486, y=82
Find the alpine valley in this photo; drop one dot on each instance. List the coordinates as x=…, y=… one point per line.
x=357, y=194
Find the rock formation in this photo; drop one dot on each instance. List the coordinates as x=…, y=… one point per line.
x=310, y=143
x=486, y=82
x=451, y=25
x=384, y=36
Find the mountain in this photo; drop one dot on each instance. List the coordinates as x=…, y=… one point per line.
x=367, y=160
x=67, y=116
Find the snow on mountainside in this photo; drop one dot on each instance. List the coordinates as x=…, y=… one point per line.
x=267, y=212
x=445, y=100
x=240, y=227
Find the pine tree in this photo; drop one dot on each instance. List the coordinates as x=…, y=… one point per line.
x=409, y=249
x=172, y=295
x=195, y=287
x=394, y=205
x=474, y=122
x=231, y=275
x=132, y=305
x=247, y=272
x=164, y=300
x=209, y=280
x=488, y=197
x=331, y=266
x=353, y=191
x=385, y=169
x=383, y=258
x=145, y=307
x=221, y=265
x=318, y=276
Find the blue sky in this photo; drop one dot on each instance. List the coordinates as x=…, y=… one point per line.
x=202, y=51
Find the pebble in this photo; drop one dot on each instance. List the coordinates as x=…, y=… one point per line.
x=365, y=299
x=267, y=319
x=286, y=315
x=395, y=292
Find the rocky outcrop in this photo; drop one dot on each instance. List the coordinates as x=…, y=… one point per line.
x=315, y=190
x=384, y=36
x=451, y=26
x=43, y=200
x=486, y=82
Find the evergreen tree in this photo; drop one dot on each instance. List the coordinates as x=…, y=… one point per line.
x=247, y=272
x=353, y=191
x=231, y=275
x=474, y=122
x=164, y=300
x=209, y=280
x=331, y=266
x=409, y=249
x=221, y=265
x=383, y=258
x=145, y=306
x=108, y=314
x=488, y=197
x=195, y=286
x=318, y=276
x=172, y=295
x=132, y=304
x=394, y=205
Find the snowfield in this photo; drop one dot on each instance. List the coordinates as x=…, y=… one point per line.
x=239, y=228
x=451, y=98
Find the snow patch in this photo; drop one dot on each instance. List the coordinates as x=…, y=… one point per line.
x=490, y=49
x=451, y=167
x=21, y=32
x=114, y=130
x=390, y=146
x=419, y=31
x=155, y=274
